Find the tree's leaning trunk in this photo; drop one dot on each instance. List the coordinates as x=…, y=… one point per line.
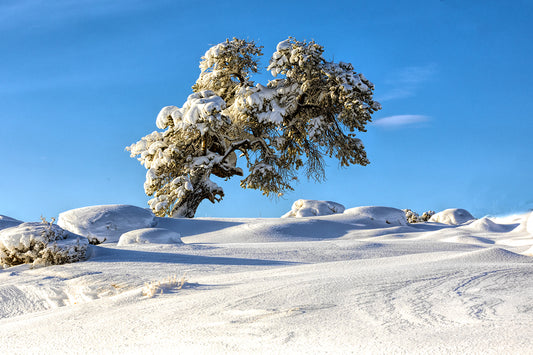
x=187, y=205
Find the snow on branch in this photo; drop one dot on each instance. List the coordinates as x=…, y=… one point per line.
x=311, y=108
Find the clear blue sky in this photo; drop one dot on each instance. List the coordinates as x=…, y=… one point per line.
x=82, y=79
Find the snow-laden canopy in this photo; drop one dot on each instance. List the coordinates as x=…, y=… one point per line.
x=311, y=109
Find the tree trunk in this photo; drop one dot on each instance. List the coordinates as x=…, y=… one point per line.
x=187, y=205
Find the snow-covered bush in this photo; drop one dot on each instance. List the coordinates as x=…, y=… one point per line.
x=106, y=222
x=40, y=244
x=150, y=236
x=413, y=217
x=311, y=109
x=426, y=216
x=6, y=222
x=310, y=208
x=452, y=216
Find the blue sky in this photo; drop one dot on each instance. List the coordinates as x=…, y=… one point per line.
x=82, y=79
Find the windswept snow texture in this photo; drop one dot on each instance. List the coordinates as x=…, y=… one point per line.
x=452, y=216
x=309, y=208
x=106, y=223
x=149, y=236
x=6, y=222
x=362, y=281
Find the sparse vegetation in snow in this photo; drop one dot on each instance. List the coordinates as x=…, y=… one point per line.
x=159, y=287
x=413, y=217
x=40, y=244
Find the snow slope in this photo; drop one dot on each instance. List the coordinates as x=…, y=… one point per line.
x=360, y=281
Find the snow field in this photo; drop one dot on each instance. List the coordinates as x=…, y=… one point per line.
x=354, y=282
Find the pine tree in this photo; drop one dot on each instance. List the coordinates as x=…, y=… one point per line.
x=311, y=109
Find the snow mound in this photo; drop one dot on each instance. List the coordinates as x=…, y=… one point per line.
x=40, y=244
x=529, y=225
x=150, y=236
x=310, y=208
x=106, y=222
x=495, y=255
x=387, y=215
x=529, y=252
x=6, y=222
x=452, y=216
x=486, y=225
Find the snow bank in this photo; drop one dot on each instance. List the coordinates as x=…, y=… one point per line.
x=310, y=208
x=6, y=222
x=106, y=222
x=150, y=236
x=40, y=244
x=529, y=252
x=354, y=282
x=529, y=225
x=452, y=216
x=386, y=215
x=486, y=225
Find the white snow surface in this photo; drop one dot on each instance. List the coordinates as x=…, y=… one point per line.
x=309, y=208
x=362, y=281
x=530, y=223
x=6, y=222
x=149, y=235
x=452, y=216
x=106, y=223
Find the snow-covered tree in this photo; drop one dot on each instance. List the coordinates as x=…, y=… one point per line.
x=310, y=109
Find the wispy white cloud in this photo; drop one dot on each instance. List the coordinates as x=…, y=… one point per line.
x=407, y=82
x=400, y=120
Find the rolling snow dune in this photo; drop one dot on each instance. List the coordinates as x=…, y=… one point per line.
x=362, y=281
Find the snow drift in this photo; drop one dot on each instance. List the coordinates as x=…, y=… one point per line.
x=362, y=281
x=452, y=216
x=309, y=208
x=530, y=223
x=384, y=215
x=149, y=236
x=107, y=222
x=6, y=222
x=486, y=225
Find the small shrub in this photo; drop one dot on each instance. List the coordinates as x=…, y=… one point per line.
x=426, y=216
x=40, y=244
x=152, y=288
x=413, y=217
